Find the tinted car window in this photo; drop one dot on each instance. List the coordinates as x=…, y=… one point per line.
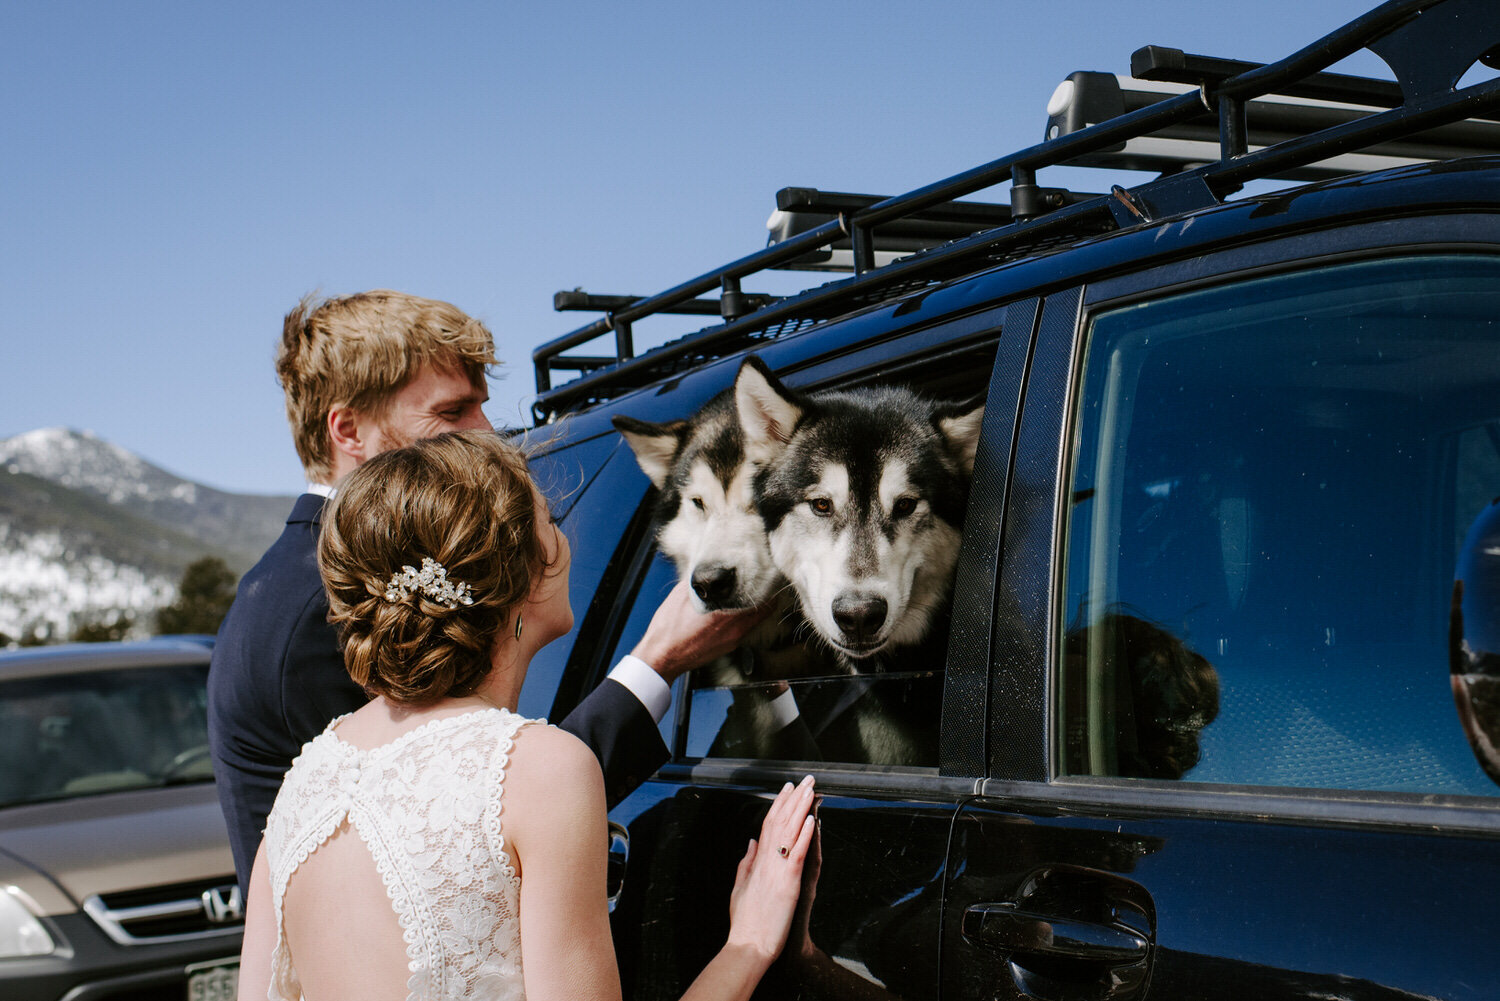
x=83, y=734
x=1271, y=482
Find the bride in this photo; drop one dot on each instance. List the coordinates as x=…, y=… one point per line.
x=434, y=844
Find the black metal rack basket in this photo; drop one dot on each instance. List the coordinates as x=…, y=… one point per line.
x=1206, y=125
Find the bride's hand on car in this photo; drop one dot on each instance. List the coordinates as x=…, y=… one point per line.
x=769, y=877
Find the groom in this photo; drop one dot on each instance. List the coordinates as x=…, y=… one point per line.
x=364, y=374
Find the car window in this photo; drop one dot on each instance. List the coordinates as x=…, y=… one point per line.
x=786, y=695
x=1271, y=482
x=83, y=734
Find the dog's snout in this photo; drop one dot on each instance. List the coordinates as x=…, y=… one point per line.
x=714, y=583
x=859, y=616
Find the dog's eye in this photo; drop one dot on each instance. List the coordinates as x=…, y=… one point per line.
x=698, y=503
x=821, y=506
x=904, y=507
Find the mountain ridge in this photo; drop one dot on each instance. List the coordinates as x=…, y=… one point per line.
x=90, y=531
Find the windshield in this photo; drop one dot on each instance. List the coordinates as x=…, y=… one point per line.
x=84, y=734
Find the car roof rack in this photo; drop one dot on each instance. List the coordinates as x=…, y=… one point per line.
x=1187, y=117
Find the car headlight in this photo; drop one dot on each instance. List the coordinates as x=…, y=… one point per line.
x=21, y=934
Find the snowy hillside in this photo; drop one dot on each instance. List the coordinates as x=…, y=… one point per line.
x=90, y=531
x=80, y=460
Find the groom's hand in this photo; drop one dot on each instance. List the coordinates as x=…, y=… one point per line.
x=682, y=637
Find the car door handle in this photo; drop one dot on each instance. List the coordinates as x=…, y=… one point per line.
x=1006, y=928
x=619, y=855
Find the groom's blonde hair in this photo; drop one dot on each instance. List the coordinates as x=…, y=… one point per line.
x=357, y=351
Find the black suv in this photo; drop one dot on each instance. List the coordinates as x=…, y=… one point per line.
x=1214, y=716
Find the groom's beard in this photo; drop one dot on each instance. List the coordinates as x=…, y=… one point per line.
x=393, y=437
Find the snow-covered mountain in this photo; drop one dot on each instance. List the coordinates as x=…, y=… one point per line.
x=80, y=460
x=90, y=531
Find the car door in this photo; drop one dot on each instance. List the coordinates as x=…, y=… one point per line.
x=869, y=922
x=1224, y=756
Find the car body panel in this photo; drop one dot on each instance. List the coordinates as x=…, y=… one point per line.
x=1241, y=908
x=97, y=864
x=155, y=836
x=1240, y=891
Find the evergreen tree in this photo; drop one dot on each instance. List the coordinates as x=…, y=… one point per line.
x=203, y=597
x=100, y=631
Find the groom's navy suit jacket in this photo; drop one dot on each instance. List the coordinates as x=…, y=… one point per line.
x=277, y=679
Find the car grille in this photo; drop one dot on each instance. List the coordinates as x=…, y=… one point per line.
x=177, y=912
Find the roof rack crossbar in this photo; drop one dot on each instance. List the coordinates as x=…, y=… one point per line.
x=1167, y=65
x=1046, y=154
x=1095, y=136
x=579, y=300
x=799, y=209
x=834, y=202
x=1222, y=100
x=706, y=341
x=1355, y=135
x=1326, y=51
x=747, y=265
x=544, y=357
x=583, y=363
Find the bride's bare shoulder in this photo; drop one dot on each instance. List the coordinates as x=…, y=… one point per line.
x=543, y=757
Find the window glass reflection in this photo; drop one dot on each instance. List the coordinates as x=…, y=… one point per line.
x=1272, y=480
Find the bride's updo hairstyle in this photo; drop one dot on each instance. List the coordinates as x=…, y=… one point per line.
x=462, y=499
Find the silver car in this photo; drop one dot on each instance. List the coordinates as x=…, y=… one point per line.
x=116, y=881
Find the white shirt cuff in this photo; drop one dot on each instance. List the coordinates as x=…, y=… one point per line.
x=783, y=709
x=645, y=684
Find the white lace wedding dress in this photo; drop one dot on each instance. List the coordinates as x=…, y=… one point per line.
x=427, y=805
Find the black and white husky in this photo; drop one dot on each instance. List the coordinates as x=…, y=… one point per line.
x=705, y=506
x=709, y=528
x=862, y=496
x=848, y=504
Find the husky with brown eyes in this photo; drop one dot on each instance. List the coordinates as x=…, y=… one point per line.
x=845, y=510
x=862, y=496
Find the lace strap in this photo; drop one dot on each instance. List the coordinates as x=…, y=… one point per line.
x=291, y=836
x=499, y=762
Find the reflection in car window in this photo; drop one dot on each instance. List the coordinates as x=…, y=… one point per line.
x=888, y=718
x=659, y=578
x=83, y=734
x=743, y=706
x=1271, y=483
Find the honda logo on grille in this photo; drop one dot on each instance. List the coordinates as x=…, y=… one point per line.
x=223, y=904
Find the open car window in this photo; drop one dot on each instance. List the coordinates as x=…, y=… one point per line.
x=791, y=695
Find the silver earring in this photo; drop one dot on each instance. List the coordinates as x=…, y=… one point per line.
x=518, y=625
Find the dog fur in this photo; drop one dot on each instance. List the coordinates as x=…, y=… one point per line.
x=705, y=505
x=862, y=495
x=737, y=484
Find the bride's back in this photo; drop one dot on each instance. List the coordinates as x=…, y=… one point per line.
x=345, y=935
x=388, y=859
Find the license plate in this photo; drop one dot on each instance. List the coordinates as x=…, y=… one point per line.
x=213, y=981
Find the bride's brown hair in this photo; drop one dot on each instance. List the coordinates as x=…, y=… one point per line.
x=464, y=499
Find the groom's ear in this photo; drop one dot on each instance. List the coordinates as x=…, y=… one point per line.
x=348, y=434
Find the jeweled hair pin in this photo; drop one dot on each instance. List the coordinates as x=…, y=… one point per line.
x=431, y=582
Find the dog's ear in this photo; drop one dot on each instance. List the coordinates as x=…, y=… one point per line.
x=654, y=445
x=959, y=425
x=768, y=411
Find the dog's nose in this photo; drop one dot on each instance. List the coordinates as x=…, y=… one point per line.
x=859, y=616
x=713, y=583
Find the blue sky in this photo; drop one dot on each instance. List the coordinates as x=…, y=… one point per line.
x=177, y=175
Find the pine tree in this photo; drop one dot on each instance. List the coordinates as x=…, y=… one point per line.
x=203, y=598
x=101, y=631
